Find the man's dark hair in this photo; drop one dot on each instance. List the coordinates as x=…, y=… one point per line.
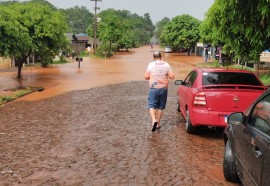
x=157, y=55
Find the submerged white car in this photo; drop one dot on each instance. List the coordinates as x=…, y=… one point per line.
x=168, y=49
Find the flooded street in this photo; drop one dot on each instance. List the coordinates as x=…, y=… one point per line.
x=90, y=126
x=123, y=67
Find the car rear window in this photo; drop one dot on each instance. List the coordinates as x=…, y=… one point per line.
x=215, y=78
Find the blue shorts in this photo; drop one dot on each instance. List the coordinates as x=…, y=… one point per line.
x=157, y=98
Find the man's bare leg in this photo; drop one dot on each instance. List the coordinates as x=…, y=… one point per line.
x=154, y=119
x=159, y=114
x=153, y=115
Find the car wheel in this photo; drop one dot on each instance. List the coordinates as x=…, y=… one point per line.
x=189, y=128
x=229, y=168
x=178, y=106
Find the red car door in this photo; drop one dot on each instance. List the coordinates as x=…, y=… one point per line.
x=185, y=91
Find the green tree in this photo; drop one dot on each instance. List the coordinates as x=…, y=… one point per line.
x=45, y=3
x=141, y=35
x=181, y=32
x=15, y=41
x=116, y=29
x=78, y=18
x=110, y=27
x=148, y=25
x=142, y=27
x=31, y=28
x=123, y=29
x=242, y=26
x=160, y=26
x=127, y=39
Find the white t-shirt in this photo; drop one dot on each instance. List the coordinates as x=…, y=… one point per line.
x=159, y=73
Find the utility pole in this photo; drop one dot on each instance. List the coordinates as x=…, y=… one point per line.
x=95, y=25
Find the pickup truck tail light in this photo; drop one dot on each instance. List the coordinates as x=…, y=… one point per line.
x=199, y=99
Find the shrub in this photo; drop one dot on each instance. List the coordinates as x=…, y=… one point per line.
x=105, y=50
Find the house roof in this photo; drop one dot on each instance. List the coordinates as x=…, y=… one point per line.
x=81, y=37
x=69, y=36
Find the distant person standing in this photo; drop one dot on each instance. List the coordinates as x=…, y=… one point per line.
x=89, y=49
x=158, y=73
x=220, y=54
x=73, y=54
x=206, y=54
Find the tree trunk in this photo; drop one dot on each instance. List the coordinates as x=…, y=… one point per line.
x=20, y=61
x=20, y=65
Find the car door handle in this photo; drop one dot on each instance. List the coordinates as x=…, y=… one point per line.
x=257, y=151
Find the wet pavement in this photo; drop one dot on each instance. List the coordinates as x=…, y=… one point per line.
x=91, y=126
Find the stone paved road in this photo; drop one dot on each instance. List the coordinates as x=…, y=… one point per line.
x=102, y=136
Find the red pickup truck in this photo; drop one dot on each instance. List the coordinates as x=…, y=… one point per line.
x=207, y=96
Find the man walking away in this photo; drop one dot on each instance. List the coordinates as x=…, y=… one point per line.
x=158, y=73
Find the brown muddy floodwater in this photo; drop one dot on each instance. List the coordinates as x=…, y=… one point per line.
x=90, y=126
x=123, y=67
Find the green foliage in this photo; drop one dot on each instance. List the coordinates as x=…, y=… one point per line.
x=14, y=36
x=46, y=3
x=21, y=93
x=123, y=29
x=143, y=29
x=242, y=27
x=31, y=28
x=14, y=95
x=78, y=18
x=84, y=54
x=106, y=50
x=4, y=99
x=265, y=78
x=127, y=36
x=59, y=62
x=148, y=25
x=160, y=26
x=110, y=29
x=181, y=32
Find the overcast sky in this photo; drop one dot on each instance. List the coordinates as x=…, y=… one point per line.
x=158, y=9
